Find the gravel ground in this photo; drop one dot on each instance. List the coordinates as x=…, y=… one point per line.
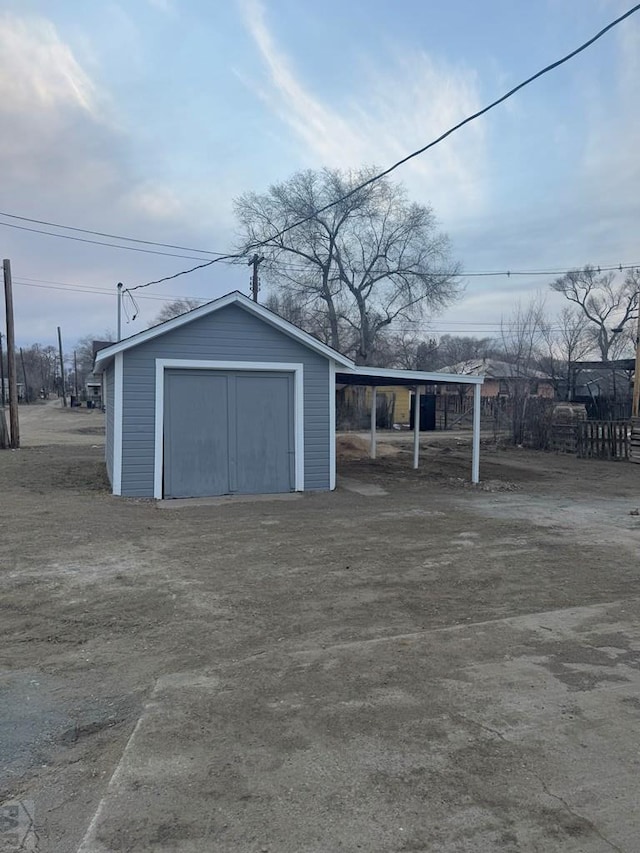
x=419, y=666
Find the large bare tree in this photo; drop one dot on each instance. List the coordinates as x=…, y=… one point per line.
x=175, y=308
x=608, y=302
x=369, y=260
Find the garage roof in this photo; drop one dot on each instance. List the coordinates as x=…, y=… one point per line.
x=350, y=374
x=104, y=356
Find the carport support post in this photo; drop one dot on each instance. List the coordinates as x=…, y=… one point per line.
x=475, y=463
x=416, y=427
x=374, y=405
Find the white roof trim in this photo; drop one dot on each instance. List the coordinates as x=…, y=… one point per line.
x=103, y=356
x=419, y=376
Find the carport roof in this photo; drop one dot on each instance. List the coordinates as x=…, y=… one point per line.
x=388, y=376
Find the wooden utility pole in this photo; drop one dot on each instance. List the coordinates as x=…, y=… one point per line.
x=14, y=426
x=3, y=401
x=636, y=376
x=255, y=262
x=64, y=390
x=24, y=376
x=75, y=375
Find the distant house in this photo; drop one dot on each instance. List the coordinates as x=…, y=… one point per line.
x=500, y=378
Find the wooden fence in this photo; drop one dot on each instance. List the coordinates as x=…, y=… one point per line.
x=604, y=439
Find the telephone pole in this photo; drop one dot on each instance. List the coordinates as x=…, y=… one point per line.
x=636, y=376
x=24, y=374
x=14, y=425
x=64, y=390
x=3, y=401
x=255, y=262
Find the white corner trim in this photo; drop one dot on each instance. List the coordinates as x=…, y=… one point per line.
x=118, y=390
x=297, y=369
x=158, y=442
x=332, y=425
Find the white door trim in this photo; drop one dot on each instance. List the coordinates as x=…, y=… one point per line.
x=297, y=369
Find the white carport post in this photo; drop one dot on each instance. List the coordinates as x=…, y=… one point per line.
x=416, y=427
x=374, y=404
x=475, y=463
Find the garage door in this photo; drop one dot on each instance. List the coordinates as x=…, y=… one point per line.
x=228, y=433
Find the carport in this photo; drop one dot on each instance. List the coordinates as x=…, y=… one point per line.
x=416, y=379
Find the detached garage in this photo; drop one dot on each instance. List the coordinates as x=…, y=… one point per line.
x=226, y=399
x=232, y=399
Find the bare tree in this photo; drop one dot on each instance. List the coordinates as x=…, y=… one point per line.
x=607, y=302
x=370, y=259
x=175, y=309
x=521, y=338
x=565, y=340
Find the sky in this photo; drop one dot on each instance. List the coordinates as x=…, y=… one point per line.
x=147, y=118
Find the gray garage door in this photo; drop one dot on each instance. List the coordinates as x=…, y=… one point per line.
x=227, y=433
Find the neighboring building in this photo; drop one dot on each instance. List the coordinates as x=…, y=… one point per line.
x=93, y=391
x=500, y=378
x=20, y=388
x=393, y=404
x=229, y=399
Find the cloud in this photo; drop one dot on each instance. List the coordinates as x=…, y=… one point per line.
x=45, y=74
x=165, y=6
x=68, y=159
x=394, y=111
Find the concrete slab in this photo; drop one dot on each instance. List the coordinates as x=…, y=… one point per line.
x=223, y=500
x=359, y=487
x=518, y=734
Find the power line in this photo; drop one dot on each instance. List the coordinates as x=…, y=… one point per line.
x=111, y=236
x=453, y=129
x=489, y=326
x=431, y=144
x=183, y=272
x=100, y=292
x=108, y=245
x=231, y=257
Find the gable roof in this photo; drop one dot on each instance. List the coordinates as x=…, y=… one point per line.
x=492, y=368
x=104, y=356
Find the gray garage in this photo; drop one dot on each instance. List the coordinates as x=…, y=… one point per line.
x=226, y=399
x=232, y=399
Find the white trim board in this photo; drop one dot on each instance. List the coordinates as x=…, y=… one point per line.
x=297, y=369
x=332, y=425
x=118, y=375
x=418, y=376
x=103, y=356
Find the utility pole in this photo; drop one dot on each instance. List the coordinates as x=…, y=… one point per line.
x=636, y=376
x=3, y=401
x=24, y=376
x=14, y=425
x=75, y=375
x=119, y=335
x=64, y=390
x=255, y=262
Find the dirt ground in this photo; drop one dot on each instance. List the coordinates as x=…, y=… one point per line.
x=407, y=664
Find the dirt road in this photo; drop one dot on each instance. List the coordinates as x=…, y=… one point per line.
x=421, y=666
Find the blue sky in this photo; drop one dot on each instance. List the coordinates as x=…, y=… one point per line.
x=147, y=118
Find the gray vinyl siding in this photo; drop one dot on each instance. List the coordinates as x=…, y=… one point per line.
x=230, y=334
x=109, y=384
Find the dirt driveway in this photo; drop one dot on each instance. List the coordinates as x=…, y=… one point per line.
x=408, y=664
